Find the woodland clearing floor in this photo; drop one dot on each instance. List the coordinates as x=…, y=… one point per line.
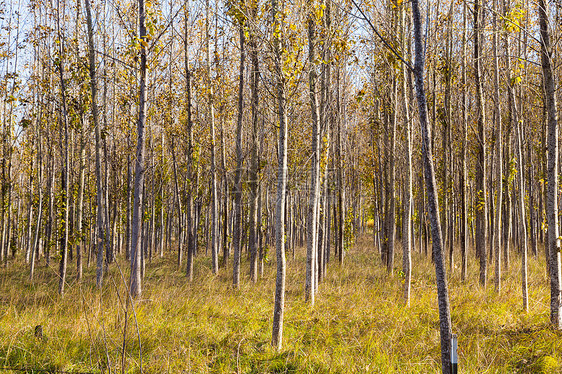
x=358, y=324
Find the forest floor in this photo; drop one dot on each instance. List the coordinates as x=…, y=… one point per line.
x=358, y=325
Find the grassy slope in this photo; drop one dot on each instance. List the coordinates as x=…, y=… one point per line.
x=358, y=324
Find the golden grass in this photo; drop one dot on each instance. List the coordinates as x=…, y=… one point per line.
x=358, y=325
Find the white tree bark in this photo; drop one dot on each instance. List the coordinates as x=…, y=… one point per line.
x=312, y=214
x=277, y=334
x=136, y=242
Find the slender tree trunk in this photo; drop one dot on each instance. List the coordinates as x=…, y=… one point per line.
x=391, y=194
x=409, y=198
x=464, y=173
x=99, y=190
x=499, y=175
x=214, y=196
x=254, y=166
x=312, y=213
x=190, y=230
x=442, y=292
x=277, y=333
x=481, y=187
x=339, y=217
x=64, y=162
x=326, y=128
x=552, y=167
x=512, y=115
x=447, y=146
x=136, y=242
x=237, y=230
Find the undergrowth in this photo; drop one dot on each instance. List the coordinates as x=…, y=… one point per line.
x=358, y=325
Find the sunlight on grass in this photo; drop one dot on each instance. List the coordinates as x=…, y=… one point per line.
x=358, y=325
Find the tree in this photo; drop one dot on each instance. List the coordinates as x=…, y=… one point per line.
x=214, y=197
x=136, y=247
x=99, y=192
x=499, y=145
x=430, y=185
x=63, y=136
x=255, y=205
x=552, y=167
x=464, y=172
x=407, y=236
x=279, y=306
x=312, y=214
x=481, y=186
x=189, y=175
x=237, y=230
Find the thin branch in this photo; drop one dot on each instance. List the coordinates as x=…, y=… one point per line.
x=364, y=17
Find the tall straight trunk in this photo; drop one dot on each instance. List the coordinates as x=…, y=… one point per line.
x=106, y=169
x=409, y=198
x=552, y=167
x=214, y=197
x=237, y=230
x=464, y=173
x=225, y=198
x=339, y=217
x=99, y=190
x=188, y=209
x=543, y=191
x=391, y=194
x=448, y=188
x=8, y=147
x=512, y=116
x=325, y=124
x=254, y=166
x=312, y=213
x=481, y=187
x=279, y=307
x=514, y=123
x=64, y=162
x=226, y=228
x=442, y=292
x=386, y=191
x=136, y=242
x=498, y=124
x=511, y=112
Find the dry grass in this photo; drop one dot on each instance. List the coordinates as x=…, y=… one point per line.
x=358, y=325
